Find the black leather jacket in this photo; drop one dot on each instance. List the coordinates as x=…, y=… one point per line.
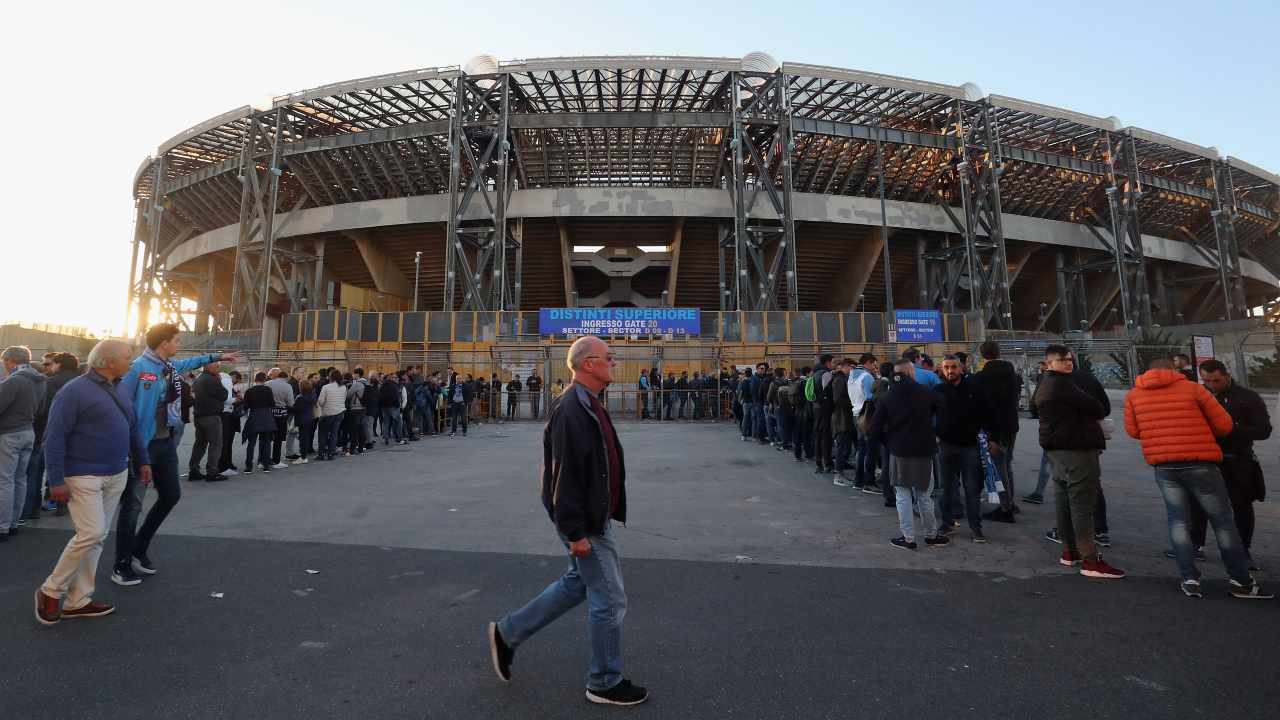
x=575, y=467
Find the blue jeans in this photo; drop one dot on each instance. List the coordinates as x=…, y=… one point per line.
x=35, y=479
x=329, y=425
x=15, y=454
x=596, y=578
x=959, y=467
x=761, y=426
x=1180, y=482
x=903, y=497
x=391, y=424
x=782, y=419
x=131, y=540
x=1045, y=470
x=748, y=419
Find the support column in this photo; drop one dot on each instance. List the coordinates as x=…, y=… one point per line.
x=1064, y=283
x=674, y=271
x=480, y=149
x=566, y=265
x=978, y=176
x=761, y=142
x=922, y=273
x=1224, y=215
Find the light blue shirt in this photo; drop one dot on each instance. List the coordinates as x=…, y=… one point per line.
x=927, y=378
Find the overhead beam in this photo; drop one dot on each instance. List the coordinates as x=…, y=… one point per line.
x=387, y=278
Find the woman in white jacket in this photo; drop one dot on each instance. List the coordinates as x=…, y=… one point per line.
x=331, y=405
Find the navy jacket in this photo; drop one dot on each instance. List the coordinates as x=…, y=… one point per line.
x=88, y=433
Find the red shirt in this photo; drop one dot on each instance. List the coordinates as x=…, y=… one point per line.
x=611, y=447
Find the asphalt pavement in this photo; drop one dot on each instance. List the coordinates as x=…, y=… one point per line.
x=756, y=590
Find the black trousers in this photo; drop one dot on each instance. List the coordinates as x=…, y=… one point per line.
x=263, y=442
x=822, y=440
x=802, y=439
x=230, y=424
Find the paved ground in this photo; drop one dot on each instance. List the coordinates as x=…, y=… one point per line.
x=757, y=590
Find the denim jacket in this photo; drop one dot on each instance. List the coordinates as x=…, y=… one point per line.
x=145, y=384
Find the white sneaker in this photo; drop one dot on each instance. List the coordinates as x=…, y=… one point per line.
x=230, y=473
x=279, y=466
x=300, y=461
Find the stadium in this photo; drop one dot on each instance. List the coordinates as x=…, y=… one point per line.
x=793, y=205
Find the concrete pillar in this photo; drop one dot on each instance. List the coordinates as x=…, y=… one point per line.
x=861, y=260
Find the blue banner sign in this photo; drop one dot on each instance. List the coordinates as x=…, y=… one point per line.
x=619, y=321
x=918, y=326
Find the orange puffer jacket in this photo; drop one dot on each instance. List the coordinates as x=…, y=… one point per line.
x=1175, y=419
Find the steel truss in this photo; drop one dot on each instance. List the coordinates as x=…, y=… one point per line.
x=981, y=258
x=761, y=147
x=1120, y=233
x=1225, y=213
x=259, y=191
x=480, y=153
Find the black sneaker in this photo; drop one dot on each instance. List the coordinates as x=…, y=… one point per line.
x=937, y=541
x=216, y=478
x=1252, y=591
x=978, y=537
x=903, y=544
x=624, y=693
x=1191, y=588
x=124, y=576
x=195, y=476
x=142, y=565
x=500, y=654
x=1052, y=536
x=871, y=489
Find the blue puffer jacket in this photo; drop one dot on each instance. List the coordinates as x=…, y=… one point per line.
x=145, y=384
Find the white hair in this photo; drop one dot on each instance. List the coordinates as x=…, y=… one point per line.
x=108, y=350
x=579, y=350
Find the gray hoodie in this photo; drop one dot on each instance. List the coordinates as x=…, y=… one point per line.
x=21, y=396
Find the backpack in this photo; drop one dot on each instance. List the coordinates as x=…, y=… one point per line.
x=811, y=388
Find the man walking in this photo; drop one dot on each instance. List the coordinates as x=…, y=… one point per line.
x=1176, y=421
x=1070, y=432
x=152, y=383
x=1241, y=472
x=92, y=434
x=22, y=394
x=583, y=491
x=210, y=396
x=904, y=422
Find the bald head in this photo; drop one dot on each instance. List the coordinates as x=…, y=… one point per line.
x=582, y=348
x=591, y=362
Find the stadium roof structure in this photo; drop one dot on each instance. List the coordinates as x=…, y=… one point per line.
x=760, y=130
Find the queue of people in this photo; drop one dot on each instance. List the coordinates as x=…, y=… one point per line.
x=90, y=441
x=936, y=444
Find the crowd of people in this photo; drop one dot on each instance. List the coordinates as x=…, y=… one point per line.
x=84, y=440
x=935, y=443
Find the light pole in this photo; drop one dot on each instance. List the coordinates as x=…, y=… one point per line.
x=417, y=267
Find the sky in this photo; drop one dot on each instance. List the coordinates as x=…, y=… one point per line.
x=95, y=87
